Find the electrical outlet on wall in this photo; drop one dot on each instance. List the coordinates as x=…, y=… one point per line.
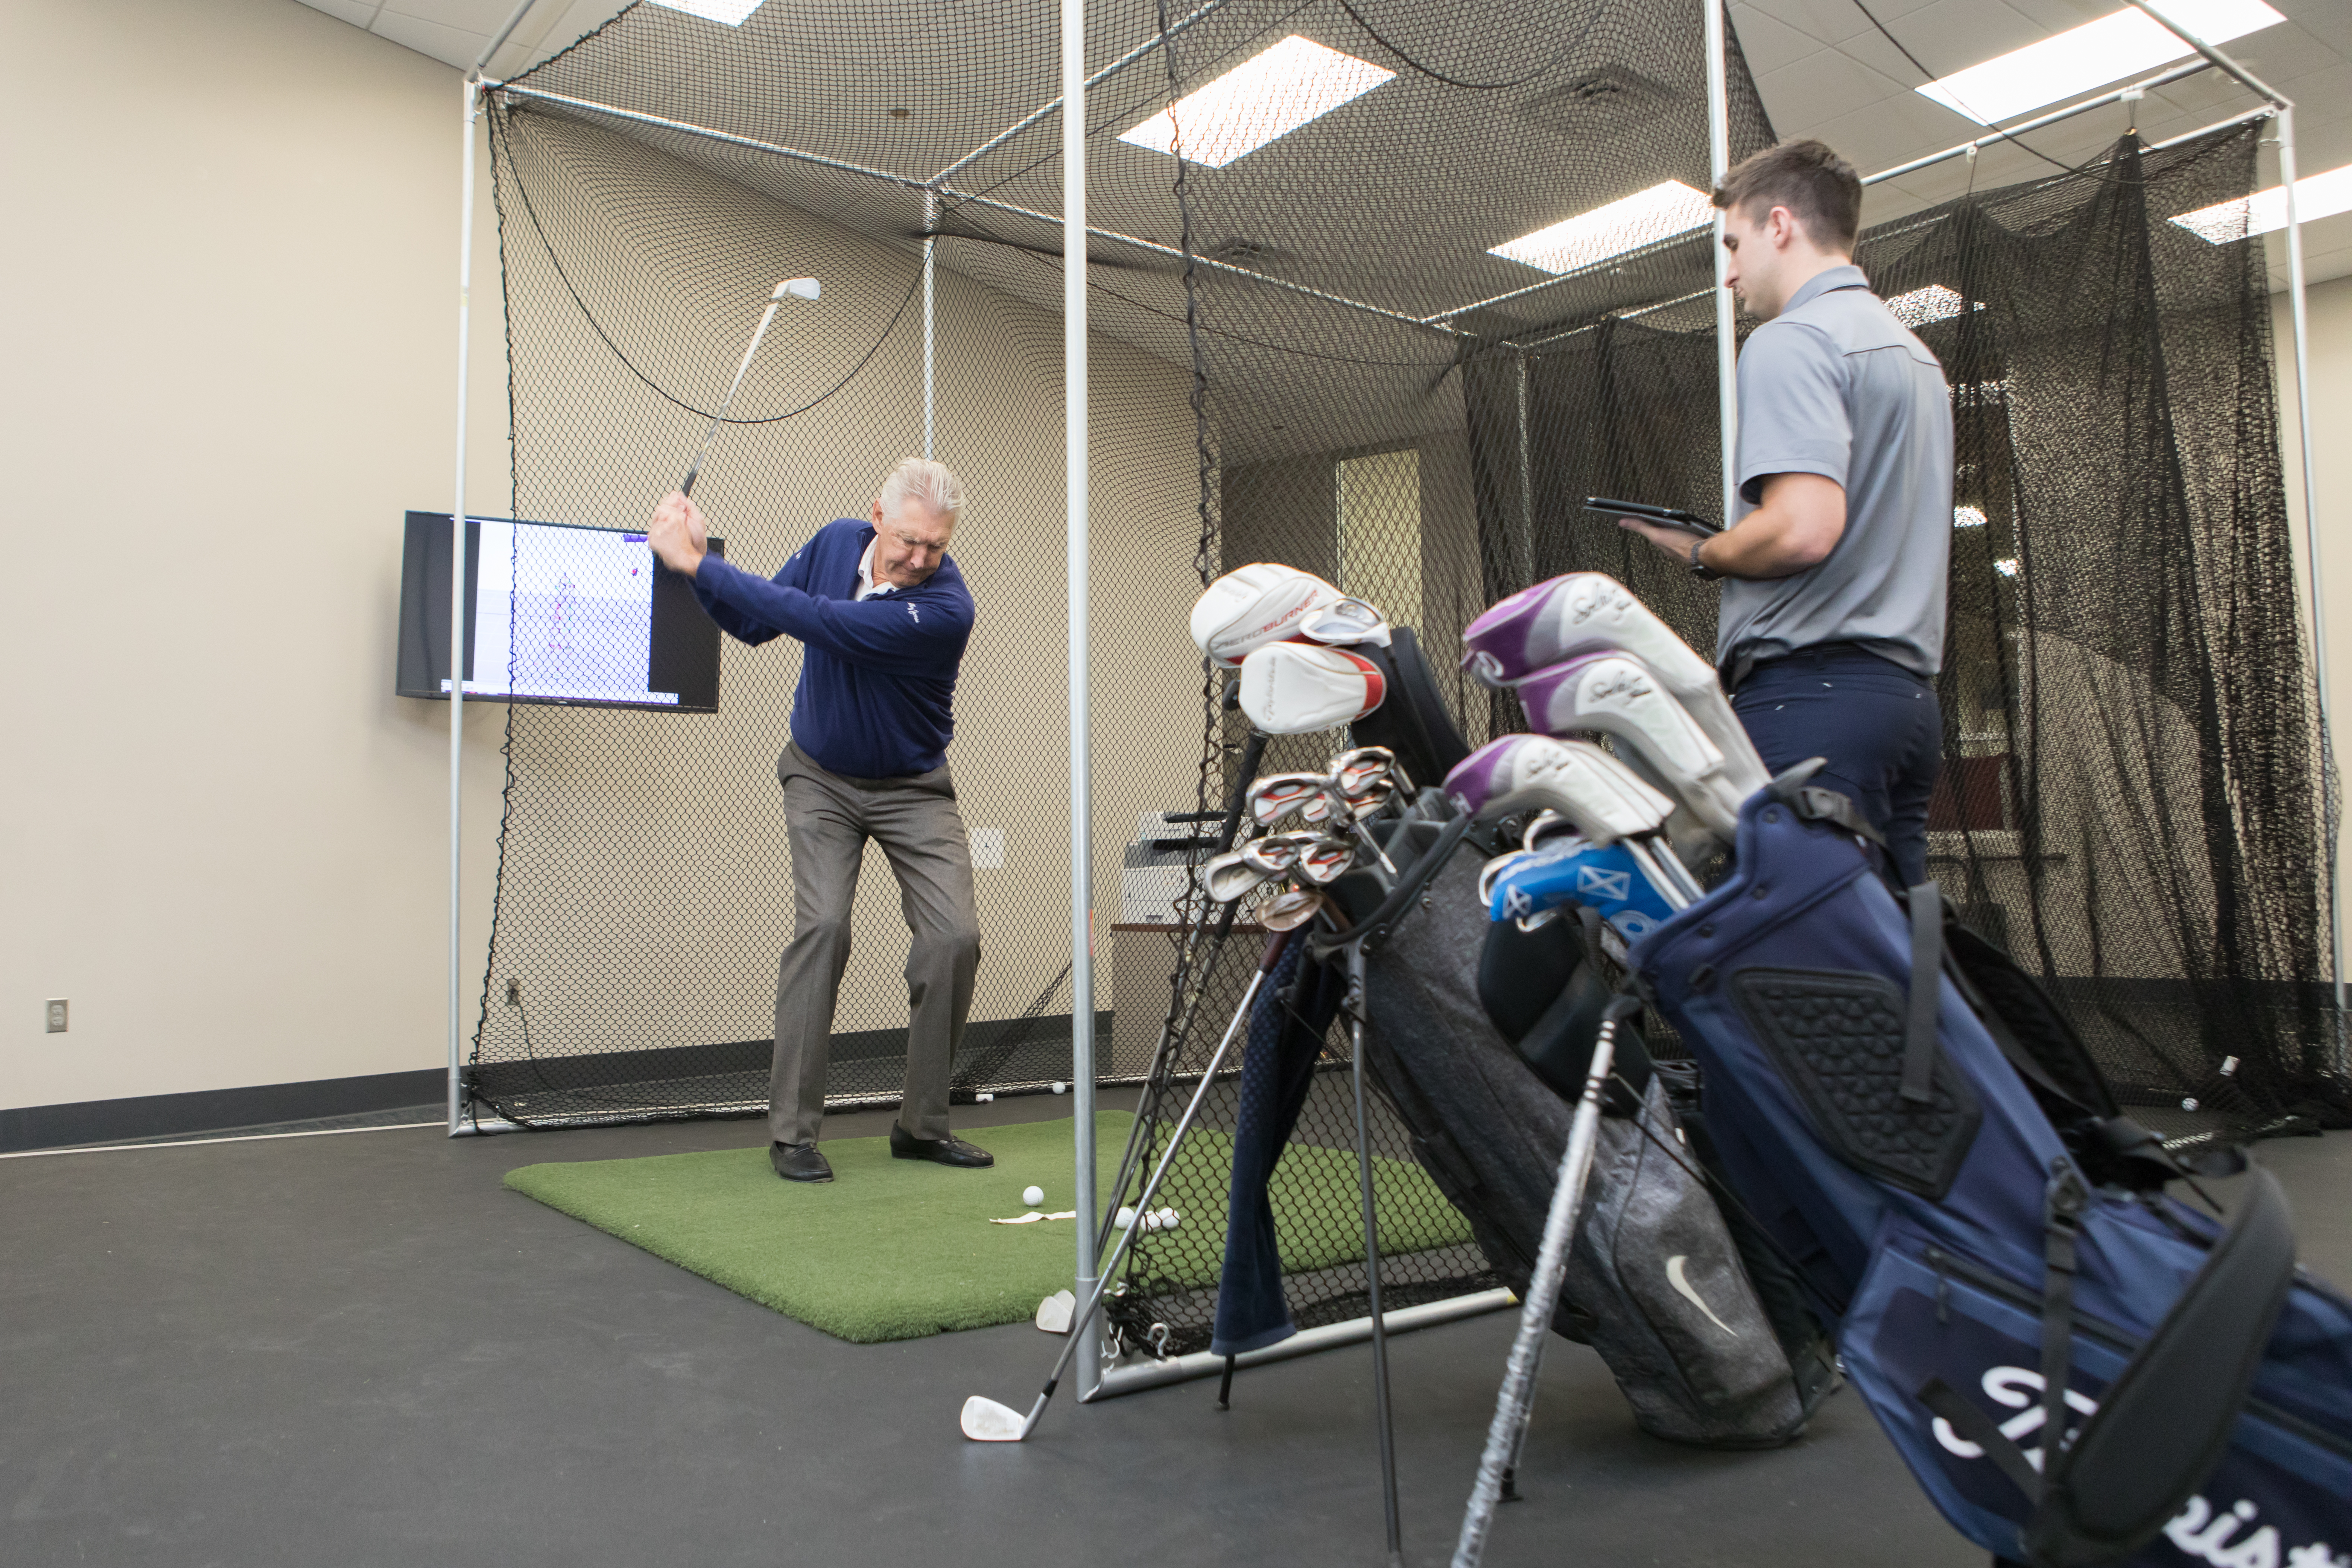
x=988, y=848
x=57, y=1012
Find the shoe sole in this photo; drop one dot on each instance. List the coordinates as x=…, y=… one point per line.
x=951, y=1164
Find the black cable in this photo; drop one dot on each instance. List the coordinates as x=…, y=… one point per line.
x=1591, y=18
x=532, y=210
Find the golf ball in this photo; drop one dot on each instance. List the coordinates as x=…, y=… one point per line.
x=1168, y=1218
x=1033, y=1196
x=1125, y=1216
x=1060, y=1087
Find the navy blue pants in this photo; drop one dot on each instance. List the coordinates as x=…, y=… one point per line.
x=1879, y=725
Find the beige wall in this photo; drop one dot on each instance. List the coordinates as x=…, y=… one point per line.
x=231, y=372
x=2329, y=312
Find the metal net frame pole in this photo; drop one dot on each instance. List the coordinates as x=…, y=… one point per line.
x=930, y=257
x=469, y=112
x=1082, y=871
x=1726, y=342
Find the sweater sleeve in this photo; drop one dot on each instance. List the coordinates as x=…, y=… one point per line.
x=894, y=635
x=730, y=615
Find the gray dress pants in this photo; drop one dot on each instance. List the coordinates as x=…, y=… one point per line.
x=829, y=818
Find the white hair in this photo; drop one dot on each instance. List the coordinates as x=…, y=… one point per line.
x=921, y=479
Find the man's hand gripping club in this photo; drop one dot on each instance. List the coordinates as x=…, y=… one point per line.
x=678, y=538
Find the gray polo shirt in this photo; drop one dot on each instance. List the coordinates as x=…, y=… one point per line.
x=1835, y=385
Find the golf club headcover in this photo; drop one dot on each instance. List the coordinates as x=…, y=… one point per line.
x=1617, y=694
x=1295, y=689
x=1584, y=783
x=1592, y=612
x=1253, y=605
x=1603, y=878
x=1346, y=623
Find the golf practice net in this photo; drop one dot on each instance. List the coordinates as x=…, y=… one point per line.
x=1309, y=351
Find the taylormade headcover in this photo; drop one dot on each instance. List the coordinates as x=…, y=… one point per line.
x=1294, y=688
x=1253, y=605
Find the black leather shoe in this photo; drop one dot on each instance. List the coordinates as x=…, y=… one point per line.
x=799, y=1163
x=938, y=1151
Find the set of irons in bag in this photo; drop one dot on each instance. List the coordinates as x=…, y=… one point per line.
x=2084, y=1358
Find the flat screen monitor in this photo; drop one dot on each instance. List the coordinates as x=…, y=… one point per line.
x=558, y=614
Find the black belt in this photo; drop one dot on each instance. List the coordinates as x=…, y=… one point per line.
x=1746, y=662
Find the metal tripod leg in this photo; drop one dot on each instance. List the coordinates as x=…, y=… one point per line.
x=1372, y=1262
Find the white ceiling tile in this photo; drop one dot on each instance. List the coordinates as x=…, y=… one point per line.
x=451, y=45
x=1824, y=86
x=1768, y=43
x=458, y=15
x=358, y=13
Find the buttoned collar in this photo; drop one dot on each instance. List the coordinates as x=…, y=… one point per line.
x=1820, y=283
x=867, y=588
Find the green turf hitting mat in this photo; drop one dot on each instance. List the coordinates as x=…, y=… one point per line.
x=896, y=1249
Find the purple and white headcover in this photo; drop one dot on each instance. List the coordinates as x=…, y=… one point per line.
x=1583, y=612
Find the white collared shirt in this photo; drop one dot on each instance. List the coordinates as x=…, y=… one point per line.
x=867, y=587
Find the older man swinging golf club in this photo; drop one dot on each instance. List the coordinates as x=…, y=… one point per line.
x=883, y=617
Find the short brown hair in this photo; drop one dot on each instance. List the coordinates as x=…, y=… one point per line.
x=1820, y=189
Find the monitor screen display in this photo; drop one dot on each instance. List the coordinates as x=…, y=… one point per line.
x=555, y=614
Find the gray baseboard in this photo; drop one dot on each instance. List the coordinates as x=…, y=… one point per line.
x=210, y=1109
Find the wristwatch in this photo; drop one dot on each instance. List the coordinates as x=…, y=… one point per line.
x=1700, y=569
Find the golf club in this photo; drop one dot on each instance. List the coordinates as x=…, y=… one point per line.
x=1229, y=876
x=986, y=1421
x=1278, y=852
x=1276, y=795
x=1326, y=860
x=791, y=287
x=1292, y=908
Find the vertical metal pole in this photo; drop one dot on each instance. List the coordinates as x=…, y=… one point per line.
x=471, y=109
x=1082, y=869
x=930, y=217
x=1527, y=550
x=1718, y=158
x=2296, y=305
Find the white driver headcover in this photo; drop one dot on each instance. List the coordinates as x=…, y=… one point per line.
x=1576, y=778
x=1253, y=605
x=1293, y=688
x=1618, y=694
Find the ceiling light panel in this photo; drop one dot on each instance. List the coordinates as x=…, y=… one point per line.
x=1263, y=98
x=1664, y=210
x=2127, y=43
x=731, y=12
x=2315, y=196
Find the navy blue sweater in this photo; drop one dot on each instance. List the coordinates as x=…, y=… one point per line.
x=878, y=682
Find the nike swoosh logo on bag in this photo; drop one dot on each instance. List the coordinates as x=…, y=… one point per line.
x=1681, y=1282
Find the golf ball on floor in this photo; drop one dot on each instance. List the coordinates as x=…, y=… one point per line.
x=1168, y=1218
x=1125, y=1216
x=1033, y=1196
x=1059, y=1087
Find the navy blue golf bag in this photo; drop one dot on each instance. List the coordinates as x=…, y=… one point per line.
x=1925, y=1139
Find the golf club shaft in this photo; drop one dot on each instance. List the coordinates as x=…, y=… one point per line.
x=685, y=486
x=1380, y=1413
x=1679, y=892
x=1175, y=1142
x=1517, y=1398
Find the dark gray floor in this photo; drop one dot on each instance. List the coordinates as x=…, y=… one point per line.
x=361, y=1350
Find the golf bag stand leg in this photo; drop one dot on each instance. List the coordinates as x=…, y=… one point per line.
x=1381, y=1413
x=1516, y=1400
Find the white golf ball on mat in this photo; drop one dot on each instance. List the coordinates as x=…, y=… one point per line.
x=1125, y=1216
x=1060, y=1087
x=1168, y=1219
x=1033, y=1196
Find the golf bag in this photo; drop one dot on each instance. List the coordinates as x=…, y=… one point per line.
x=1927, y=1141
x=1655, y=1284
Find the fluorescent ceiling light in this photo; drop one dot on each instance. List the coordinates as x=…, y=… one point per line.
x=1644, y=219
x=1933, y=303
x=1271, y=95
x=2127, y=43
x=731, y=12
x=2315, y=196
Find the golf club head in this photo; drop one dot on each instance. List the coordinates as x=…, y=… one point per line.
x=1253, y=605
x=986, y=1421
x=1592, y=612
x=1608, y=879
x=1317, y=809
x=1584, y=783
x=1229, y=876
x=797, y=289
x=1544, y=829
x=1347, y=623
x=1290, y=909
x=1278, y=852
x=1295, y=688
x=1352, y=769
x=1368, y=801
x=1276, y=795
x=1326, y=860
x=1617, y=694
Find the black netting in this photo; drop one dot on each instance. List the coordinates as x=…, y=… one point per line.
x=1313, y=352
x=2136, y=797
